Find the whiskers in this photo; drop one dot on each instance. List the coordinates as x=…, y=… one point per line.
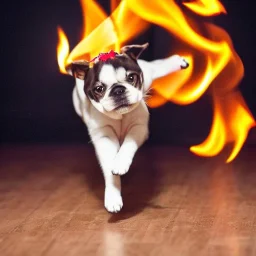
x=147, y=94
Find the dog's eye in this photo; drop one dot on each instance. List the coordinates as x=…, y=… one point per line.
x=132, y=78
x=99, y=89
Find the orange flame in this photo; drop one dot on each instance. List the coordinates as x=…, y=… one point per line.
x=214, y=64
x=62, y=50
x=206, y=7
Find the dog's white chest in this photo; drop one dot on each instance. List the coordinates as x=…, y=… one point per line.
x=96, y=121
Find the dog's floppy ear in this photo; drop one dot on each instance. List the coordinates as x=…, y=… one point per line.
x=78, y=69
x=134, y=50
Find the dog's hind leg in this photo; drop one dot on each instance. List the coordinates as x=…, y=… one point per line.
x=161, y=67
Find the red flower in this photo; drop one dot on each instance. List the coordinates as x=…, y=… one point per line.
x=104, y=56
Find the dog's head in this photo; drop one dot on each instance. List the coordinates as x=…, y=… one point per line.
x=114, y=85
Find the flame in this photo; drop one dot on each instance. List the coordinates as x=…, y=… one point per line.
x=206, y=7
x=232, y=121
x=215, y=66
x=93, y=15
x=62, y=50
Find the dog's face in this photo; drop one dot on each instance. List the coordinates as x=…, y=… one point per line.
x=114, y=86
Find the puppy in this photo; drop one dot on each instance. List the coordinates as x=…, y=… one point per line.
x=109, y=97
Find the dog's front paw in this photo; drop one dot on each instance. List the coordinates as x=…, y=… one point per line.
x=121, y=165
x=113, y=200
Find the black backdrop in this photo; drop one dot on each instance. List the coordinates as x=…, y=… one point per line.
x=36, y=98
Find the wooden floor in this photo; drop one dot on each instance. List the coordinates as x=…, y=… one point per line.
x=51, y=203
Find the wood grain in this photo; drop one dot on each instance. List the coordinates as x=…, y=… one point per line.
x=51, y=203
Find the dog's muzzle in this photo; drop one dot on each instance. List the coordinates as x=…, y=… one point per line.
x=117, y=90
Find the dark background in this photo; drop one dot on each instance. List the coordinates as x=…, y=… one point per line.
x=36, y=98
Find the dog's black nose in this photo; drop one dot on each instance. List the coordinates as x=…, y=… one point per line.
x=117, y=90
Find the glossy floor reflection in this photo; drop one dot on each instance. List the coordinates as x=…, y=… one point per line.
x=51, y=203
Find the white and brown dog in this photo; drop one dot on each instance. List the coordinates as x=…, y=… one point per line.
x=109, y=97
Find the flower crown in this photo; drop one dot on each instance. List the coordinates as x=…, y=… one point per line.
x=104, y=56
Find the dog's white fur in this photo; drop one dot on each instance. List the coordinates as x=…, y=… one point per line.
x=116, y=139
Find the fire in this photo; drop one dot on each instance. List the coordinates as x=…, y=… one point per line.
x=62, y=50
x=215, y=65
x=206, y=7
